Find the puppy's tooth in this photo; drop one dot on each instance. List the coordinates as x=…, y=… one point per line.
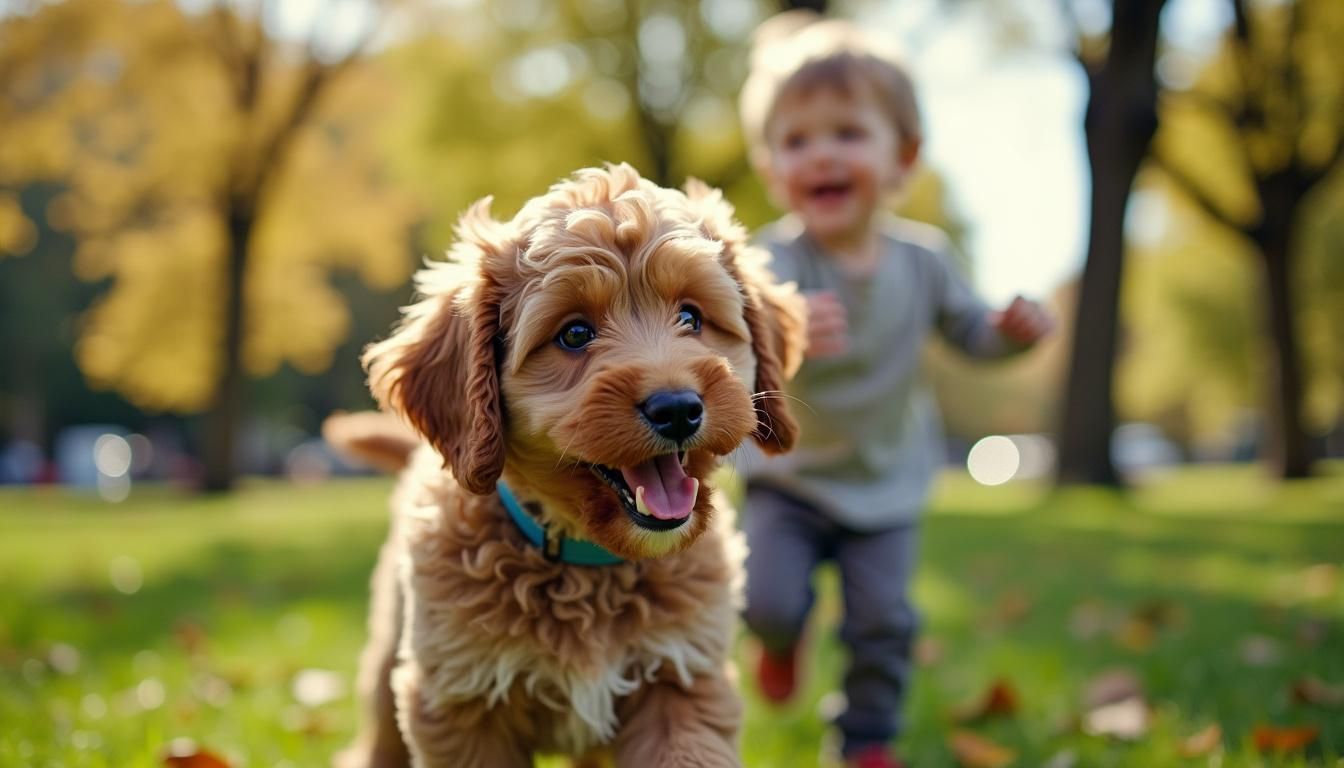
x=695, y=487
x=685, y=459
x=639, y=502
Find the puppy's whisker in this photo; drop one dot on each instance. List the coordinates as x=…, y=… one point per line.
x=775, y=394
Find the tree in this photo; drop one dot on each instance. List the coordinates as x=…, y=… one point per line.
x=216, y=170
x=1120, y=122
x=1274, y=96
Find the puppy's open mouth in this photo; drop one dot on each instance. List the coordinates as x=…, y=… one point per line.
x=656, y=494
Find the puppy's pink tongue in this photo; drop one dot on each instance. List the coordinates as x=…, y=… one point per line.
x=667, y=493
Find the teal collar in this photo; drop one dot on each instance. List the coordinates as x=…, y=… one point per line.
x=555, y=546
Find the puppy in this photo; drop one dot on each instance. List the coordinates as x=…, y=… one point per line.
x=569, y=586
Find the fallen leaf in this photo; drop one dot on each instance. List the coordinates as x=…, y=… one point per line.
x=1159, y=613
x=190, y=636
x=1135, y=635
x=1272, y=738
x=1011, y=607
x=1202, y=742
x=1000, y=700
x=1316, y=692
x=184, y=753
x=1126, y=719
x=928, y=651
x=1311, y=633
x=974, y=751
x=1112, y=686
x=1259, y=651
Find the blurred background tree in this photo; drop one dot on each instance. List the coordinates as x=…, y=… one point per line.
x=243, y=189
x=1252, y=143
x=215, y=167
x=1120, y=123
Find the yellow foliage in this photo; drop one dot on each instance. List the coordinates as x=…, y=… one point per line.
x=134, y=109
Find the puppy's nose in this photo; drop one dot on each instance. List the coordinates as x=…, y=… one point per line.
x=675, y=415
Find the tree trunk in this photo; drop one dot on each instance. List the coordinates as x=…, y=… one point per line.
x=221, y=423
x=1120, y=123
x=1286, y=447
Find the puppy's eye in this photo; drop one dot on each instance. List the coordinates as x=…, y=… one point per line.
x=689, y=316
x=576, y=335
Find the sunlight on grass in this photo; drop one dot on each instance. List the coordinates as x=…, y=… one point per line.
x=123, y=627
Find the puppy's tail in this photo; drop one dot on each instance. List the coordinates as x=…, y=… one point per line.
x=374, y=438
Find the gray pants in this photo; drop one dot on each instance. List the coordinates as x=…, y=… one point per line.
x=787, y=540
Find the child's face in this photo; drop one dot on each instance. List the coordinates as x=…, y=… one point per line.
x=833, y=157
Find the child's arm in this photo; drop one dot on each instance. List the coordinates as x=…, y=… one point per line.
x=968, y=323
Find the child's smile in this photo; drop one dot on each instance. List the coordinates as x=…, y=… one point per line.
x=833, y=157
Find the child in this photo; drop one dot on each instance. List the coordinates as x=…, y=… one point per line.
x=835, y=131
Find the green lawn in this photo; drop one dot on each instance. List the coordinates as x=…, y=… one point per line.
x=237, y=622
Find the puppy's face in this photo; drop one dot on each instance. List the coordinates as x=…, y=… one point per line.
x=604, y=348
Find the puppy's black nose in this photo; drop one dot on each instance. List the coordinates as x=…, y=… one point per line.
x=674, y=415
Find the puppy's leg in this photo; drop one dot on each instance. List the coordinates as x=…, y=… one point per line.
x=467, y=734
x=668, y=726
x=379, y=744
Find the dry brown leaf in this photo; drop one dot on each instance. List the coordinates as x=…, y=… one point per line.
x=974, y=751
x=1000, y=700
x=1272, y=738
x=1112, y=686
x=1202, y=742
x=1311, y=633
x=1011, y=607
x=928, y=651
x=184, y=753
x=190, y=636
x=1127, y=719
x=1317, y=693
x=1135, y=635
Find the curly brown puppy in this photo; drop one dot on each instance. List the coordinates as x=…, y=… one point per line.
x=569, y=586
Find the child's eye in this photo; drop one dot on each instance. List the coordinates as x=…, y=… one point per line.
x=794, y=141
x=850, y=133
x=689, y=316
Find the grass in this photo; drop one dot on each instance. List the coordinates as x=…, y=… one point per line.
x=237, y=622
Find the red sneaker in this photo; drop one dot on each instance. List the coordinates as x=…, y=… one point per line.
x=777, y=674
x=875, y=756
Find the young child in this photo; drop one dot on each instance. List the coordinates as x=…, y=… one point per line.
x=835, y=131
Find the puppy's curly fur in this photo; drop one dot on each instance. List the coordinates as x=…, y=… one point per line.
x=483, y=650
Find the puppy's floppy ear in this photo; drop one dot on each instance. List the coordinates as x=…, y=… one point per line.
x=774, y=313
x=440, y=368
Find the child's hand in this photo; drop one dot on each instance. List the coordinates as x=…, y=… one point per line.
x=1024, y=322
x=827, y=325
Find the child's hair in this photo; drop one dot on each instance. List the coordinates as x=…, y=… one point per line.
x=796, y=52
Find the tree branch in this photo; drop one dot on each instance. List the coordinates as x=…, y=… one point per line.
x=1192, y=189
x=315, y=80
x=1075, y=30
x=1236, y=116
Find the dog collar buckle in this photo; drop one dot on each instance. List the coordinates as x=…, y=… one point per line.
x=551, y=542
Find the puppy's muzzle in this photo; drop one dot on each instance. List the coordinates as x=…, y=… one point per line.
x=675, y=415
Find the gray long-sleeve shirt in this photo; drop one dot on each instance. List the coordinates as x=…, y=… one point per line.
x=871, y=439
